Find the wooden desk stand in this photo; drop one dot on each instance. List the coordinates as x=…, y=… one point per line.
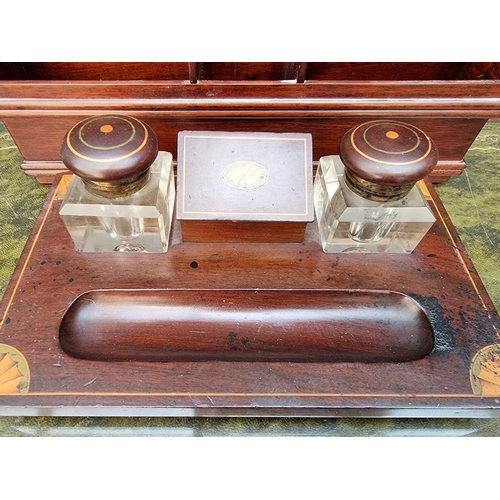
x=459, y=378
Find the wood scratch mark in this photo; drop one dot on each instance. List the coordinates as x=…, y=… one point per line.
x=90, y=382
x=195, y=403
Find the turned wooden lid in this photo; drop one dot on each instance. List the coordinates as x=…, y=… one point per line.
x=112, y=154
x=384, y=159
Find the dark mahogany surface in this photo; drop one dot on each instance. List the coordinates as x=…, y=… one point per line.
x=248, y=71
x=246, y=325
x=242, y=231
x=39, y=102
x=438, y=276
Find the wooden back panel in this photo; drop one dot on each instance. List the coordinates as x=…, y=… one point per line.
x=249, y=71
x=451, y=102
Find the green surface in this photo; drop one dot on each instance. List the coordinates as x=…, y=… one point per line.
x=471, y=201
x=20, y=201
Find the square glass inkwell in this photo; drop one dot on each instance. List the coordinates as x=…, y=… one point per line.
x=368, y=199
x=121, y=198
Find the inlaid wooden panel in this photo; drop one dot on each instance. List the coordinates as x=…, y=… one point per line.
x=459, y=377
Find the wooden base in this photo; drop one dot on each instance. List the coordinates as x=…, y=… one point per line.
x=459, y=378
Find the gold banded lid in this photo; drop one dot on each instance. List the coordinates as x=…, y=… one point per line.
x=384, y=159
x=112, y=154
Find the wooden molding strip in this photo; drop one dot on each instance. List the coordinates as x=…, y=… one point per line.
x=469, y=98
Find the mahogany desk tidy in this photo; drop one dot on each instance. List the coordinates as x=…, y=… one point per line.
x=458, y=378
x=453, y=380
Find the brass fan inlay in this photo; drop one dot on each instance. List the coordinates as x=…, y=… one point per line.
x=485, y=371
x=14, y=371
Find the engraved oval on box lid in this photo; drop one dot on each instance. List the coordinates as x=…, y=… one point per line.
x=384, y=159
x=112, y=154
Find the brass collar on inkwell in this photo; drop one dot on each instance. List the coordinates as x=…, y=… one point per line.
x=112, y=154
x=384, y=159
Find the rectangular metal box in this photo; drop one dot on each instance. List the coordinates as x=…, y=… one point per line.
x=244, y=186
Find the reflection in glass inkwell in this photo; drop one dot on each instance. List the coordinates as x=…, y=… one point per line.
x=368, y=199
x=121, y=197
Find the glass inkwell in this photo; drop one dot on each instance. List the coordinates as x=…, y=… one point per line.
x=368, y=199
x=121, y=198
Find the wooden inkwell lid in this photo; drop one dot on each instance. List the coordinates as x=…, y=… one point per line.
x=112, y=154
x=384, y=159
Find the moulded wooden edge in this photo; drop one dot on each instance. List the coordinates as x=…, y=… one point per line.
x=45, y=171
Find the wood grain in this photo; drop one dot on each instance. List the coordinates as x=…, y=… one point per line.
x=452, y=112
x=246, y=325
x=438, y=275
